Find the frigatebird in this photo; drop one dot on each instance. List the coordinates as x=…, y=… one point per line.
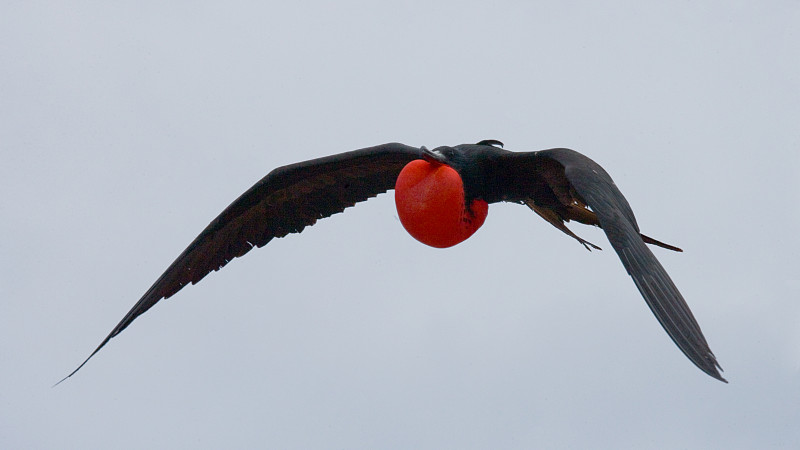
x=442, y=197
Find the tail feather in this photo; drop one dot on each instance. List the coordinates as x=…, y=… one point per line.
x=651, y=241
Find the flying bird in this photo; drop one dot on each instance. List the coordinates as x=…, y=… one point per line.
x=442, y=197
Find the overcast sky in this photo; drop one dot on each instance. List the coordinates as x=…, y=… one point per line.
x=124, y=130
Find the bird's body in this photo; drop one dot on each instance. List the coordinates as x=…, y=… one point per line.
x=558, y=184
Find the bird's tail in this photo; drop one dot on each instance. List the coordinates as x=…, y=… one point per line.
x=651, y=241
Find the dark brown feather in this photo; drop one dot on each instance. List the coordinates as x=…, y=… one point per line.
x=285, y=201
x=615, y=217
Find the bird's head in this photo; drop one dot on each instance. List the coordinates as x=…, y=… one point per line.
x=441, y=155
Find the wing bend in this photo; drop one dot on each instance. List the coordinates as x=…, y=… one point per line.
x=617, y=221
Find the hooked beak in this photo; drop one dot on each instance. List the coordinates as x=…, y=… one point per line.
x=432, y=156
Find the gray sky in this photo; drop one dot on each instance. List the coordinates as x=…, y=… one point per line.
x=125, y=130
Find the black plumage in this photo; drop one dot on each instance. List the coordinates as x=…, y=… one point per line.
x=558, y=184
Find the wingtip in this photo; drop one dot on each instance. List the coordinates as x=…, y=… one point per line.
x=102, y=344
x=712, y=367
x=718, y=376
x=76, y=370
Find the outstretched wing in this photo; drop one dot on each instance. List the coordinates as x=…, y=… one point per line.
x=616, y=218
x=285, y=201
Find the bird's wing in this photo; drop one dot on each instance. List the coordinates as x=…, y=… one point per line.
x=285, y=201
x=616, y=218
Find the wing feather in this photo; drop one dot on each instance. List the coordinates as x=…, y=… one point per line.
x=616, y=219
x=285, y=201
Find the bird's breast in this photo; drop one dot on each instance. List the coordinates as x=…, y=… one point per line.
x=431, y=204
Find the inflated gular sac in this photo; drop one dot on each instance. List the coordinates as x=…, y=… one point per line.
x=430, y=202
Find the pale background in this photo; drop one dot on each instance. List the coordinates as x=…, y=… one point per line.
x=125, y=129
